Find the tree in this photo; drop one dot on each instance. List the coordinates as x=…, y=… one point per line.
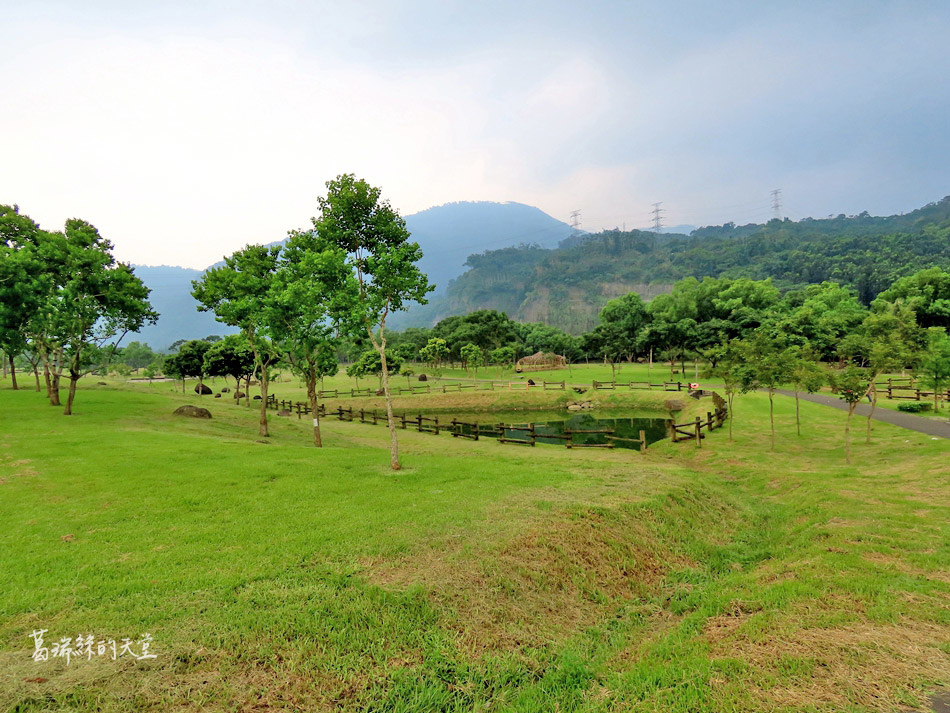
x=852, y=384
x=502, y=356
x=807, y=375
x=370, y=364
x=378, y=249
x=93, y=303
x=927, y=293
x=237, y=293
x=934, y=367
x=173, y=366
x=617, y=337
x=232, y=356
x=137, y=355
x=312, y=295
x=727, y=363
x=472, y=357
x=769, y=364
x=191, y=361
x=434, y=352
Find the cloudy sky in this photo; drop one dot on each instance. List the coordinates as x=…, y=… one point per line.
x=185, y=130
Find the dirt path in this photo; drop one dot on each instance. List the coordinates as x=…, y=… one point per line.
x=897, y=418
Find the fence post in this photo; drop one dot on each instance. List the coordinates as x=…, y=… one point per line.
x=709, y=421
x=699, y=433
x=643, y=441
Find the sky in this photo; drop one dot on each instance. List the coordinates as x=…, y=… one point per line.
x=185, y=130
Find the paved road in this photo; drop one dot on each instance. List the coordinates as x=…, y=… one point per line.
x=898, y=418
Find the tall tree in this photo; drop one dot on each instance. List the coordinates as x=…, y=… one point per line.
x=769, y=365
x=384, y=260
x=232, y=356
x=852, y=384
x=312, y=297
x=237, y=293
x=934, y=367
x=807, y=375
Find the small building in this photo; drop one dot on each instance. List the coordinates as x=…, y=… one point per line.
x=541, y=361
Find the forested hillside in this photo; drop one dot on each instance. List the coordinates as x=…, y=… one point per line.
x=566, y=287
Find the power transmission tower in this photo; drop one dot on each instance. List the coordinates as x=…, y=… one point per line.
x=777, y=203
x=657, y=213
x=575, y=219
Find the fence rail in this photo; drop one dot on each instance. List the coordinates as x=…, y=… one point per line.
x=693, y=430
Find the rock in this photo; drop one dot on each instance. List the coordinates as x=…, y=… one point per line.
x=217, y=396
x=380, y=392
x=531, y=382
x=578, y=390
x=193, y=411
x=574, y=407
x=283, y=412
x=202, y=389
x=423, y=377
x=225, y=390
x=239, y=394
x=256, y=397
x=101, y=383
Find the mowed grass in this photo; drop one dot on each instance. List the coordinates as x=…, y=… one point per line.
x=275, y=576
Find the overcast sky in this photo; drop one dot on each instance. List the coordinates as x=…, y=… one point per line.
x=184, y=130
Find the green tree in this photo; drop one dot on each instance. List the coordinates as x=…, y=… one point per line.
x=434, y=352
x=852, y=385
x=232, y=356
x=384, y=260
x=502, y=356
x=237, y=293
x=313, y=292
x=934, y=367
x=472, y=357
x=191, y=361
x=807, y=375
x=370, y=364
x=137, y=355
x=927, y=293
x=727, y=362
x=769, y=364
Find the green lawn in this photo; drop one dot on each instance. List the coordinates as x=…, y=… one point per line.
x=275, y=576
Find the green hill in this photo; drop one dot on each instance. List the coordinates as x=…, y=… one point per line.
x=567, y=286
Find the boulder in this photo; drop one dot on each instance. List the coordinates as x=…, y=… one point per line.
x=101, y=383
x=225, y=390
x=239, y=394
x=578, y=390
x=283, y=412
x=192, y=411
x=380, y=392
x=217, y=396
x=423, y=377
x=574, y=407
x=256, y=397
x=203, y=389
x=531, y=382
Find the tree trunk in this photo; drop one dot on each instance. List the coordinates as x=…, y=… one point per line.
x=49, y=385
x=73, y=380
x=13, y=372
x=798, y=420
x=314, y=409
x=4, y=362
x=730, y=396
x=54, y=378
x=847, y=434
x=36, y=373
x=873, y=390
x=381, y=348
x=263, y=420
x=772, y=417
x=247, y=392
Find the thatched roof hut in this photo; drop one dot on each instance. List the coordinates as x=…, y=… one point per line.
x=541, y=361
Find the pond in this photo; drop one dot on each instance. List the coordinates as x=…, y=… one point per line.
x=624, y=424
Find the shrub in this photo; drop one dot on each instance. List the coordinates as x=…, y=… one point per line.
x=914, y=407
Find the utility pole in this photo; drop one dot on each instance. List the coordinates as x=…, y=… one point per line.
x=777, y=203
x=576, y=219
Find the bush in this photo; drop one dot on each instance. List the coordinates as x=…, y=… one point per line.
x=914, y=407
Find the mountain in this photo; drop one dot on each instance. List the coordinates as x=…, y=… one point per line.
x=567, y=286
x=447, y=234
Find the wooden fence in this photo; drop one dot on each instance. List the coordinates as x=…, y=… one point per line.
x=906, y=388
x=694, y=429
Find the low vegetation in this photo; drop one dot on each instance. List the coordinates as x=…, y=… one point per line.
x=273, y=575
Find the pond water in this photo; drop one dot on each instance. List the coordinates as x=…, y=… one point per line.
x=624, y=424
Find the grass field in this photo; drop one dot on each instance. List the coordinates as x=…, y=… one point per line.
x=275, y=576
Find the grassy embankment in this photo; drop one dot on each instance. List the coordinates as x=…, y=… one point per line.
x=273, y=575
